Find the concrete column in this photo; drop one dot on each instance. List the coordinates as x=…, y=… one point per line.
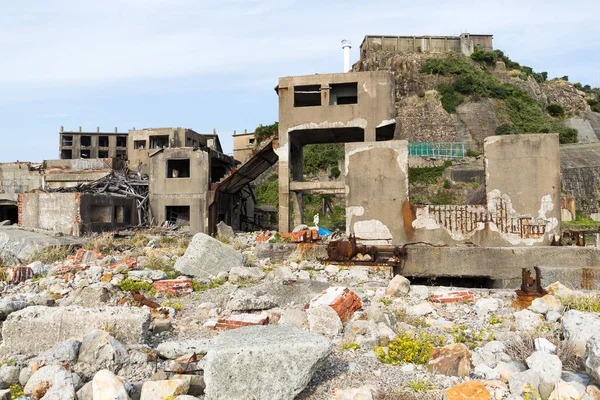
x=284, y=186
x=370, y=133
x=297, y=176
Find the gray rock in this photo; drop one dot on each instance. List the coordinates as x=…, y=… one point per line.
x=324, y=320
x=246, y=274
x=64, y=352
x=292, y=317
x=301, y=227
x=5, y=394
x=177, y=348
x=271, y=362
x=526, y=320
x=419, y=292
x=24, y=375
x=486, y=372
x=524, y=382
x=39, y=268
x=284, y=273
x=21, y=331
x=549, y=369
x=148, y=275
x=579, y=327
x=55, y=381
x=578, y=380
x=592, y=357
x=86, y=392
x=205, y=257
x=9, y=375
x=244, y=301
x=96, y=295
x=299, y=293
x=225, y=231
x=100, y=348
x=9, y=306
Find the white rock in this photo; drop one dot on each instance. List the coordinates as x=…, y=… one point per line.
x=419, y=292
x=578, y=380
x=564, y=391
x=526, y=320
x=284, y=273
x=248, y=274
x=549, y=368
x=579, y=327
x=324, y=320
x=332, y=269
x=592, y=357
x=419, y=310
x=542, y=344
x=487, y=305
x=55, y=380
x=107, y=386
x=398, y=286
x=523, y=382
x=153, y=390
x=543, y=305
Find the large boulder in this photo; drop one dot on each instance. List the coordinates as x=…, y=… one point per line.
x=21, y=332
x=592, y=357
x=96, y=295
x=205, y=257
x=107, y=386
x=271, y=362
x=579, y=327
x=100, y=349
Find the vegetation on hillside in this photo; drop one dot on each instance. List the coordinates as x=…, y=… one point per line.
x=476, y=81
x=264, y=132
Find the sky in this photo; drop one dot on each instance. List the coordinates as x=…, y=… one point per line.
x=213, y=64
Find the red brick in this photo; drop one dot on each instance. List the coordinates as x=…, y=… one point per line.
x=302, y=236
x=18, y=274
x=174, y=287
x=130, y=263
x=238, y=321
x=60, y=270
x=452, y=297
x=344, y=301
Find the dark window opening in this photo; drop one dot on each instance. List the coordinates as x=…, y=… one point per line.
x=188, y=142
x=66, y=154
x=121, y=141
x=178, y=215
x=101, y=214
x=102, y=153
x=119, y=216
x=122, y=154
x=159, y=142
x=139, y=144
x=86, y=141
x=250, y=141
x=343, y=93
x=221, y=217
x=67, y=140
x=178, y=168
x=86, y=153
x=102, y=141
x=217, y=170
x=9, y=213
x=307, y=96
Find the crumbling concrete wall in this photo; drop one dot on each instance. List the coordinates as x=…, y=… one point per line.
x=191, y=191
x=377, y=191
x=70, y=173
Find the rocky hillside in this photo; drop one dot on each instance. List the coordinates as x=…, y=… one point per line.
x=451, y=98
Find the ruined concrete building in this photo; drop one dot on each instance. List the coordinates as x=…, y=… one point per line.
x=465, y=44
x=327, y=108
x=76, y=145
x=243, y=146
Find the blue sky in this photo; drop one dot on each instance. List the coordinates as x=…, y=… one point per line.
x=208, y=64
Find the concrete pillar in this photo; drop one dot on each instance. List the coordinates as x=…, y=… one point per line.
x=597, y=240
x=370, y=133
x=284, y=188
x=297, y=176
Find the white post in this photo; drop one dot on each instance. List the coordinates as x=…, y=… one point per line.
x=346, y=45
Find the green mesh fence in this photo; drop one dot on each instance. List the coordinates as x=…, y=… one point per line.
x=436, y=149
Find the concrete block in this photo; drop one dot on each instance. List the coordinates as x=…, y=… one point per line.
x=38, y=328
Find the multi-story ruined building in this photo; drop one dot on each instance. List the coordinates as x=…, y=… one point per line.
x=75, y=145
x=463, y=44
x=244, y=145
x=327, y=108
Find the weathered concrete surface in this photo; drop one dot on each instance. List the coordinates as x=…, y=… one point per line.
x=271, y=362
x=580, y=167
x=502, y=264
x=326, y=121
x=20, y=245
x=585, y=131
x=377, y=191
x=587, y=278
x=38, y=328
x=523, y=172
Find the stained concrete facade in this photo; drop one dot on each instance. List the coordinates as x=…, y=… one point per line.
x=522, y=180
x=180, y=198
x=71, y=173
x=144, y=142
x=464, y=44
x=376, y=185
x=243, y=146
x=16, y=178
x=88, y=145
x=327, y=108
x=76, y=213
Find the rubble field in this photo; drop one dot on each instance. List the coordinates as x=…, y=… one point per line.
x=156, y=314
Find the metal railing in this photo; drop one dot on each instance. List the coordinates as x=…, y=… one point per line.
x=437, y=149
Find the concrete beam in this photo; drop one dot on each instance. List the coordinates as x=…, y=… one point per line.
x=325, y=187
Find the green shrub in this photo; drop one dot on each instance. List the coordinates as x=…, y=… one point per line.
x=556, y=110
x=264, y=132
x=51, y=254
x=321, y=157
x=473, y=153
x=350, y=346
x=201, y=287
x=129, y=285
x=421, y=94
x=585, y=303
x=425, y=175
x=489, y=57
x=449, y=98
x=335, y=172
x=506, y=129
x=408, y=348
x=268, y=192
x=471, y=337
x=447, y=184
